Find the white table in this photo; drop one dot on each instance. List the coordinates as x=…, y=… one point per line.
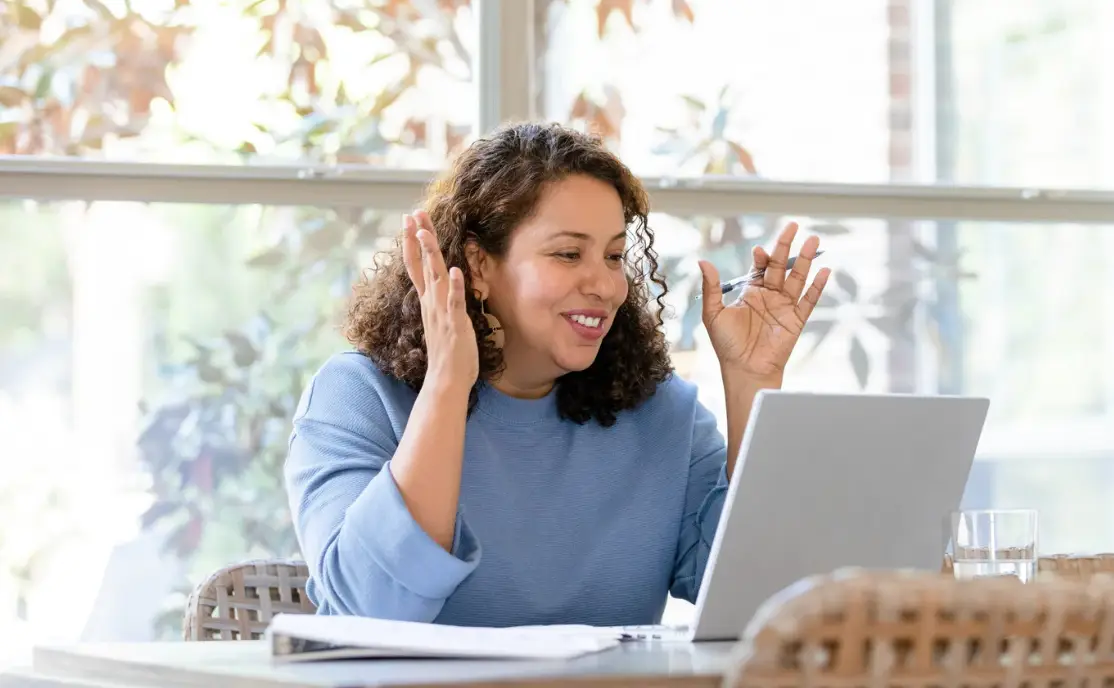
x=216, y=664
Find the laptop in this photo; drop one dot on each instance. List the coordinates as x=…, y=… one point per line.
x=826, y=481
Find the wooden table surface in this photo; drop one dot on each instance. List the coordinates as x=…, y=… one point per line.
x=217, y=664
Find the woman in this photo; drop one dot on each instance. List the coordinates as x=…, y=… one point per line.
x=508, y=445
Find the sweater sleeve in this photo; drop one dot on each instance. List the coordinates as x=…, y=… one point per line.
x=366, y=554
x=704, y=498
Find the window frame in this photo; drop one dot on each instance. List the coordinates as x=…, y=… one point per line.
x=53, y=179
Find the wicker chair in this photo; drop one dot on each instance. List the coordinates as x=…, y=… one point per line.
x=239, y=601
x=1073, y=566
x=853, y=629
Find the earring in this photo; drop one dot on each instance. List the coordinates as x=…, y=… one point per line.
x=494, y=330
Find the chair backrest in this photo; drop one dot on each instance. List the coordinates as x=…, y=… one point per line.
x=1074, y=566
x=852, y=629
x=239, y=601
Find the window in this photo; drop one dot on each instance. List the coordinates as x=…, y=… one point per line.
x=180, y=226
x=153, y=356
x=872, y=91
x=697, y=88
x=384, y=83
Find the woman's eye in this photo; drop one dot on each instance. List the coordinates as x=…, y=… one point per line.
x=571, y=255
x=616, y=257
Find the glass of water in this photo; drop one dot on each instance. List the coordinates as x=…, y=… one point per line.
x=995, y=542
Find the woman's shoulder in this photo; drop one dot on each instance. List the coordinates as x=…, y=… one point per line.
x=675, y=399
x=674, y=417
x=353, y=379
x=355, y=369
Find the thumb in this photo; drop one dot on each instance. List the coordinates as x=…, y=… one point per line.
x=712, y=295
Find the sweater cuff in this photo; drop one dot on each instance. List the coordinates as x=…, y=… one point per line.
x=403, y=549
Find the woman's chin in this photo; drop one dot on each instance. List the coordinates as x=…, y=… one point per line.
x=575, y=362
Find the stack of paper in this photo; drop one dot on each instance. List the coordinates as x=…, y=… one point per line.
x=303, y=637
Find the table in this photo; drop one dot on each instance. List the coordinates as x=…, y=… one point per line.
x=248, y=664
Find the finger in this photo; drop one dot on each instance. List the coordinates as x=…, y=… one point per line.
x=795, y=282
x=761, y=260
x=422, y=218
x=812, y=296
x=455, y=301
x=432, y=250
x=412, y=253
x=775, y=269
x=712, y=294
x=429, y=273
x=429, y=241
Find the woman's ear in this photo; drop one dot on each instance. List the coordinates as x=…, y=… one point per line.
x=478, y=265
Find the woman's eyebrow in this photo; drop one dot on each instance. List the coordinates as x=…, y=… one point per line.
x=586, y=237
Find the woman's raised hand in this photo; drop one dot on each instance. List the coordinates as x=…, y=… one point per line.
x=452, y=357
x=755, y=336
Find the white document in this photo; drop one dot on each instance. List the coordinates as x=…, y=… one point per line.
x=304, y=637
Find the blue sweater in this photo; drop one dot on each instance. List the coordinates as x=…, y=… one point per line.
x=558, y=522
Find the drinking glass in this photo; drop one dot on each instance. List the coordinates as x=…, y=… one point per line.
x=995, y=542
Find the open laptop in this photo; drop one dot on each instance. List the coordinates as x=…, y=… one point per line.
x=826, y=481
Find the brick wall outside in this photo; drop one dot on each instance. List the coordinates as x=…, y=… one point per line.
x=902, y=358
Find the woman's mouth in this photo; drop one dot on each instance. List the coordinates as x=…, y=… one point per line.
x=587, y=325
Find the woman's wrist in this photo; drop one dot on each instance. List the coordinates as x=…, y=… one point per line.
x=741, y=380
x=446, y=387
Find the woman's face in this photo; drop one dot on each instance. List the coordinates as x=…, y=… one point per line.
x=557, y=289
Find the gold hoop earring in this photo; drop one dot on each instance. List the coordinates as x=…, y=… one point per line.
x=494, y=330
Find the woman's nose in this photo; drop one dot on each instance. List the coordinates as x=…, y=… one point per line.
x=599, y=281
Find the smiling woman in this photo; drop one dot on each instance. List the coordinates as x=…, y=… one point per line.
x=590, y=473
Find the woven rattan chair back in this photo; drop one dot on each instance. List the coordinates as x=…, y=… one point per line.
x=239, y=601
x=1073, y=566
x=1079, y=567
x=923, y=630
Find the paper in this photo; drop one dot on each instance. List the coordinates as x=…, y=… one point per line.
x=361, y=636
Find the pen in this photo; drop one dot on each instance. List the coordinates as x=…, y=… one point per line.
x=733, y=284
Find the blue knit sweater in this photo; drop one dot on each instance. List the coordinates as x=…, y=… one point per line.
x=558, y=522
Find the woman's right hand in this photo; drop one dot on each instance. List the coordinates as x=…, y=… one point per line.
x=452, y=358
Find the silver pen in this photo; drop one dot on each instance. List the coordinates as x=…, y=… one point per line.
x=733, y=284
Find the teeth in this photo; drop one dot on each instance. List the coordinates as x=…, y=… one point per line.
x=585, y=320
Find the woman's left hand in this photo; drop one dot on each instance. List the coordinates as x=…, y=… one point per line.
x=755, y=335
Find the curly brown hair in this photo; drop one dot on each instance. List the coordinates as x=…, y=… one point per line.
x=489, y=190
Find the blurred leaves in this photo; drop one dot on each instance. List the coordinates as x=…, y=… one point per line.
x=96, y=77
x=215, y=438
x=860, y=361
x=606, y=7
x=602, y=116
x=846, y=282
x=705, y=141
x=705, y=144
x=75, y=77
x=625, y=8
x=80, y=77
x=682, y=9
x=846, y=307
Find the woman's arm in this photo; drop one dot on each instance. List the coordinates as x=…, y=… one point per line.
x=427, y=464
x=429, y=459
x=704, y=497
x=739, y=391
x=711, y=464
x=368, y=553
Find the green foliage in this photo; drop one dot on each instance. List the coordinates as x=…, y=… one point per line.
x=215, y=437
x=78, y=77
